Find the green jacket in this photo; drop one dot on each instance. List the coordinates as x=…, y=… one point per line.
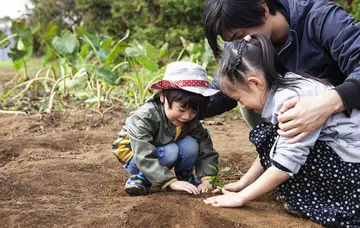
x=147, y=129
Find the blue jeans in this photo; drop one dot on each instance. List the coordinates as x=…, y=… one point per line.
x=181, y=154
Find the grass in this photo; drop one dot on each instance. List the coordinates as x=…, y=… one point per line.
x=34, y=63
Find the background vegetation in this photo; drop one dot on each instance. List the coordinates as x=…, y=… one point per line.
x=101, y=53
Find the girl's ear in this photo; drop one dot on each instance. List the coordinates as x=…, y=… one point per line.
x=256, y=82
x=162, y=98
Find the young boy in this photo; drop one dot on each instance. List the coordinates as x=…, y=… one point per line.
x=166, y=132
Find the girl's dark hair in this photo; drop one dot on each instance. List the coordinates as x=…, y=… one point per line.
x=222, y=15
x=189, y=100
x=258, y=54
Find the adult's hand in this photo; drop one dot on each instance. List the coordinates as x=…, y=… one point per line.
x=300, y=116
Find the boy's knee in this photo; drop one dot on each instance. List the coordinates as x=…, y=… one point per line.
x=168, y=154
x=190, y=146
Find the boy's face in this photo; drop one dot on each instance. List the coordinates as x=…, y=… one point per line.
x=177, y=114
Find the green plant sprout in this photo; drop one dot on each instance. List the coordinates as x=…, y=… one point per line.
x=214, y=180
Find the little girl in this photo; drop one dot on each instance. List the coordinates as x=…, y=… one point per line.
x=318, y=177
x=166, y=132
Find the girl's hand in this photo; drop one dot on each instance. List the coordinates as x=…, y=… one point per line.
x=307, y=114
x=205, y=186
x=231, y=187
x=229, y=199
x=184, y=186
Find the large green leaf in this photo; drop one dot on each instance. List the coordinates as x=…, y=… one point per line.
x=78, y=82
x=102, y=54
x=106, y=44
x=117, y=49
x=24, y=33
x=105, y=73
x=50, y=31
x=67, y=44
x=133, y=51
x=18, y=64
x=163, y=50
x=49, y=55
x=151, y=51
x=147, y=63
x=85, y=49
x=21, y=51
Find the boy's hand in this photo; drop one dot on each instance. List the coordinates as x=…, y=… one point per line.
x=205, y=186
x=184, y=186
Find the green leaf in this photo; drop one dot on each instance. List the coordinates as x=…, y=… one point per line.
x=117, y=49
x=147, y=63
x=226, y=169
x=163, y=50
x=105, y=73
x=49, y=56
x=50, y=30
x=95, y=40
x=213, y=167
x=106, y=44
x=17, y=65
x=151, y=51
x=133, y=51
x=78, y=82
x=18, y=27
x=84, y=50
x=67, y=44
x=102, y=54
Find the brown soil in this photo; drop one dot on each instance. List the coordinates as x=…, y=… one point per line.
x=58, y=170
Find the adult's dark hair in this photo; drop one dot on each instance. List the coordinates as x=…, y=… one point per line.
x=189, y=100
x=222, y=15
x=257, y=54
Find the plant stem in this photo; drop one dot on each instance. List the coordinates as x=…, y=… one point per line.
x=8, y=38
x=12, y=112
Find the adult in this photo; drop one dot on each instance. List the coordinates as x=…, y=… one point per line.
x=315, y=36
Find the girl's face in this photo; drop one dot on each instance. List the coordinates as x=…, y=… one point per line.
x=177, y=114
x=252, y=96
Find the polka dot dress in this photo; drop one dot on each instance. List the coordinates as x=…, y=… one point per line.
x=326, y=189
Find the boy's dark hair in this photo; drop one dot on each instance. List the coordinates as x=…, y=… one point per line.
x=222, y=15
x=189, y=100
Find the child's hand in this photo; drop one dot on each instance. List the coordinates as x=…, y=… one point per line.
x=205, y=186
x=184, y=186
x=232, y=187
x=229, y=199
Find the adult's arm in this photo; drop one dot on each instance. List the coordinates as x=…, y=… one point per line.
x=338, y=33
x=219, y=103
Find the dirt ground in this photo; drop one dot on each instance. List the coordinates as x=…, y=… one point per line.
x=58, y=170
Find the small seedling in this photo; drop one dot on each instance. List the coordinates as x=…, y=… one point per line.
x=214, y=180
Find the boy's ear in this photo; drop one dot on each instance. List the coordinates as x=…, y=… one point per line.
x=255, y=81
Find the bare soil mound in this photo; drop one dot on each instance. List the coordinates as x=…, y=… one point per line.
x=57, y=170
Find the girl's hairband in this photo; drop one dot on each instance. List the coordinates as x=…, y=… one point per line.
x=247, y=38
